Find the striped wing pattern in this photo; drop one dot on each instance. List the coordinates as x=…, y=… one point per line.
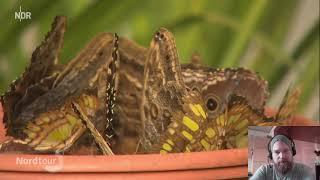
x=289, y=104
x=185, y=128
x=191, y=130
x=57, y=130
x=287, y=108
x=37, y=78
x=229, y=129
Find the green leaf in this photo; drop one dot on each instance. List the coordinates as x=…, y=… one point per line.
x=237, y=48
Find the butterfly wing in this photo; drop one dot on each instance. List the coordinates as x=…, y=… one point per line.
x=92, y=112
x=185, y=128
x=163, y=87
x=191, y=130
x=286, y=110
x=43, y=65
x=80, y=74
x=58, y=130
x=86, y=110
x=288, y=105
x=217, y=85
x=230, y=128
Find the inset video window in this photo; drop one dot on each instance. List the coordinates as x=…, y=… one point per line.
x=283, y=152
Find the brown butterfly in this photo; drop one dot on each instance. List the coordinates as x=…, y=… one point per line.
x=191, y=130
x=163, y=87
x=37, y=79
x=214, y=85
x=54, y=121
x=286, y=109
x=186, y=126
x=166, y=96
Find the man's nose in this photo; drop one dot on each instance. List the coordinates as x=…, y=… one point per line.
x=282, y=155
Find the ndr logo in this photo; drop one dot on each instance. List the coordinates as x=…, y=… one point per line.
x=22, y=15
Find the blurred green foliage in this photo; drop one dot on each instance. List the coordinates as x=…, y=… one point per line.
x=229, y=33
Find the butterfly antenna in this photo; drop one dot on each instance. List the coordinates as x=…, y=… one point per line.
x=111, y=88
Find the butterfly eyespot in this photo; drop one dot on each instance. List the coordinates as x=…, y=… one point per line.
x=212, y=103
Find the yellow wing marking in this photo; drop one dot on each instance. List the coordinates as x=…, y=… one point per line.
x=193, y=126
x=59, y=129
x=187, y=135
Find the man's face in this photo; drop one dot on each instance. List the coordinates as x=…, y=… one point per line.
x=282, y=157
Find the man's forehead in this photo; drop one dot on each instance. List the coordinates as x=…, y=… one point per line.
x=279, y=145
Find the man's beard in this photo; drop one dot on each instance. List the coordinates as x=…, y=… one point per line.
x=283, y=166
